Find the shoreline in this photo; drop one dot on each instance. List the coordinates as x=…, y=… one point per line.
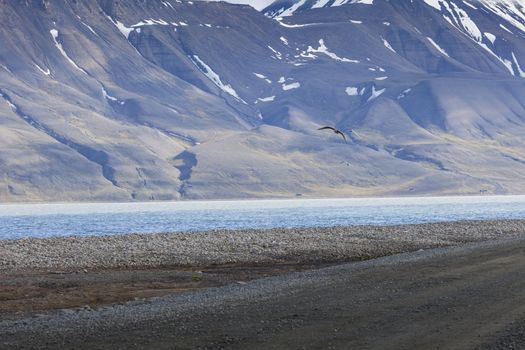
x=63, y=273
x=257, y=246
x=251, y=199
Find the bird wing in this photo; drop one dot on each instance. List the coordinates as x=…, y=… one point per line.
x=327, y=128
x=340, y=133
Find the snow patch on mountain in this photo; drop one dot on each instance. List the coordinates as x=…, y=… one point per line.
x=266, y=99
x=511, y=11
x=215, y=78
x=437, y=47
x=110, y=98
x=290, y=11
x=460, y=19
x=320, y=3
x=291, y=86
x=278, y=55
x=519, y=71
x=43, y=71
x=353, y=91
x=375, y=93
x=491, y=37
x=506, y=29
x=262, y=76
x=151, y=22
x=387, y=45
x=54, y=34
x=126, y=31
x=324, y=50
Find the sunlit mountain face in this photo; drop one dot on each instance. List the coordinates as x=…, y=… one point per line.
x=162, y=100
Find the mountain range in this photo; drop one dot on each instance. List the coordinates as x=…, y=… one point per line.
x=113, y=100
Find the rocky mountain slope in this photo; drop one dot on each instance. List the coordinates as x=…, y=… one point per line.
x=154, y=100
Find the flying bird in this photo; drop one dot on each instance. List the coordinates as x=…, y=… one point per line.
x=338, y=132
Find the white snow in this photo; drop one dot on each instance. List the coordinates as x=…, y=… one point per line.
x=278, y=55
x=266, y=99
x=121, y=27
x=469, y=5
x=460, y=19
x=44, y=71
x=434, y=3
x=306, y=54
x=437, y=47
x=404, y=94
x=387, y=45
x=108, y=96
x=291, y=86
x=87, y=26
x=468, y=24
x=281, y=80
x=262, y=76
x=519, y=72
x=215, y=78
x=54, y=34
x=6, y=69
x=284, y=11
x=375, y=93
x=151, y=22
x=167, y=4
x=381, y=78
x=320, y=3
x=491, y=37
x=343, y=2
x=284, y=40
x=512, y=12
x=290, y=11
x=324, y=50
x=507, y=64
x=505, y=28
x=352, y=91
x=356, y=22
x=280, y=21
x=9, y=103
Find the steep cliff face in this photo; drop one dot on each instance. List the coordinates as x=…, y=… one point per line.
x=138, y=100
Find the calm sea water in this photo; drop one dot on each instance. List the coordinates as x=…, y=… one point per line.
x=44, y=220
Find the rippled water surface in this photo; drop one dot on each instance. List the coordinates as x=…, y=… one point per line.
x=43, y=220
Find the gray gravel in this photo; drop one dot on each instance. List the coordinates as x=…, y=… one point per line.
x=244, y=246
x=172, y=317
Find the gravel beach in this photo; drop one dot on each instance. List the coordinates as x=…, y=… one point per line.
x=273, y=246
x=62, y=273
x=116, y=291
x=463, y=297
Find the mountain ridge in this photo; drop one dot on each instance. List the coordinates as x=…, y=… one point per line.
x=163, y=100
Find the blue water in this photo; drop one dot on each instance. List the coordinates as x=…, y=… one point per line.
x=44, y=220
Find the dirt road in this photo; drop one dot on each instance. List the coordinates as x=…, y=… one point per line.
x=466, y=297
